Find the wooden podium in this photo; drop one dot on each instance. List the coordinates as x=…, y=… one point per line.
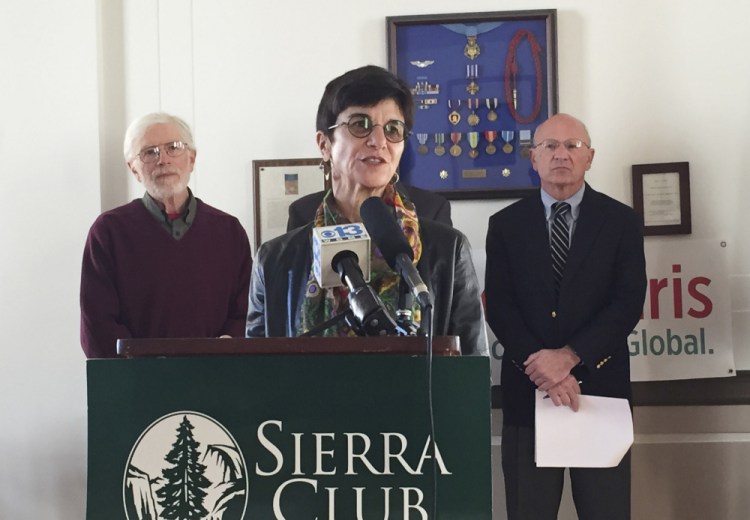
x=288, y=428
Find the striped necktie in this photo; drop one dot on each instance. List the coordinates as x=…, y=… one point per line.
x=559, y=239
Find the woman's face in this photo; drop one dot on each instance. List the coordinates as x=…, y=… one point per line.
x=366, y=163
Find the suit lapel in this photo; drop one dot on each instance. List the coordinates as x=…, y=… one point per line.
x=536, y=254
x=591, y=221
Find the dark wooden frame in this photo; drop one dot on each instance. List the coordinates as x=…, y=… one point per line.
x=683, y=170
x=262, y=166
x=369, y=345
x=549, y=16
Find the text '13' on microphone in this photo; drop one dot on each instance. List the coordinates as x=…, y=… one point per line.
x=329, y=240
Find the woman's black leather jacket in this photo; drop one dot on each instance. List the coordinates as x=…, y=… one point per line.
x=282, y=267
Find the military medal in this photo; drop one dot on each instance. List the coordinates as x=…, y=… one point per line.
x=422, y=149
x=490, y=135
x=425, y=103
x=473, y=118
x=506, y=172
x=439, y=148
x=424, y=88
x=454, y=117
x=473, y=138
x=455, y=149
x=472, y=73
x=443, y=174
x=471, y=50
x=508, y=136
x=472, y=32
x=491, y=106
x=524, y=138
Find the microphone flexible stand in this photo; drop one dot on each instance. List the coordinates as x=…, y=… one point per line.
x=404, y=314
x=348, y=316
x=375, y=320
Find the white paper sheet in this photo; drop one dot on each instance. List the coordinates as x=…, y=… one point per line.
x=596, y=436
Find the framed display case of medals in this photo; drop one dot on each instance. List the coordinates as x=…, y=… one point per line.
x=482, y=83
x=276, y=184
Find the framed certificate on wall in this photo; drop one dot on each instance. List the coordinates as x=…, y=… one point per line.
x=276, y=184
x=661, y=196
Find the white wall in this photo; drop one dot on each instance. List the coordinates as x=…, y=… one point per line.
x=49, y=184
x=655, y=81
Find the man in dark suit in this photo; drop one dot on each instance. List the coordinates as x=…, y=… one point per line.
x=429, y=205
x=563, y=333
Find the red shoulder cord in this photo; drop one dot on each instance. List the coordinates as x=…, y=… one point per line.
x=511, y=69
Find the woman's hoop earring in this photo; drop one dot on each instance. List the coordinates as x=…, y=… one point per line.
x=395, y=178
x=325, y=166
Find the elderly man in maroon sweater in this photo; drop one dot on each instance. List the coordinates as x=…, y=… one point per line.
x=166, y=265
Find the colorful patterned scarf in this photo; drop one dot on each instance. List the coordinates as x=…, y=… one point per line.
x=320, y=305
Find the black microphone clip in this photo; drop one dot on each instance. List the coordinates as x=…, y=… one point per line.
x=369, y=313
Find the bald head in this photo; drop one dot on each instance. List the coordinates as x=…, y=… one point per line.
x=564, y=119
x=561, y=155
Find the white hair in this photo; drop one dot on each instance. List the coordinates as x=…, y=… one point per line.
x=139, y=127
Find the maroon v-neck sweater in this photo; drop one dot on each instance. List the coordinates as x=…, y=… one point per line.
x=139, y=282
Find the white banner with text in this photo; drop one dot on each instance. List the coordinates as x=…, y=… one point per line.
x=685, y=331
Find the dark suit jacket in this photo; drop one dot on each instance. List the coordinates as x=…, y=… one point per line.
x=601, y=295
x=429, y=205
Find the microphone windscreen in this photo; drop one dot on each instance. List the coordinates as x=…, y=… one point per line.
x=384, y=230
x=330, y=240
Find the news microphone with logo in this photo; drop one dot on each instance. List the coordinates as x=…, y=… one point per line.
x=330, y=240
x=341, y=256
x=390, y=239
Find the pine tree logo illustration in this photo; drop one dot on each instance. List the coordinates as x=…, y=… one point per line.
x=185, y=466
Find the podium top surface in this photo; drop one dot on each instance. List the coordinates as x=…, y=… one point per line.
x=389, y=345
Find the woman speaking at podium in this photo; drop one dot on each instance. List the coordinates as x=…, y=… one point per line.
x=363, y=119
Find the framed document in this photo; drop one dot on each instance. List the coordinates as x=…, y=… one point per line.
x=661, y=196
x=482, y=83
x=276, y=184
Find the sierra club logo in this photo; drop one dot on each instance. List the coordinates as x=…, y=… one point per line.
x=185, y=465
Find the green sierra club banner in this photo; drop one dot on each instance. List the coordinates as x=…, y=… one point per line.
x=287, y=437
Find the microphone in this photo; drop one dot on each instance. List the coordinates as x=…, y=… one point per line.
x=330, y=240
x=363, y=301
x=341, y=256
x=392, y=243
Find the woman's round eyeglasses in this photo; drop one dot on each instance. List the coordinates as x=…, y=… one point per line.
x=360, y=125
